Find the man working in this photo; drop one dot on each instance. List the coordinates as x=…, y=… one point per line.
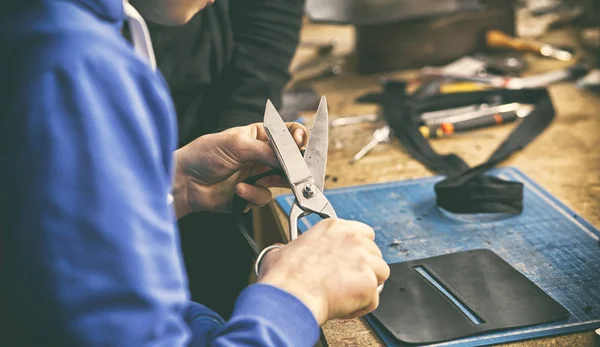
x=221, y=67
x=90, y=250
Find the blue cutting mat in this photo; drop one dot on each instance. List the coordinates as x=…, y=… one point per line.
x=548, y=242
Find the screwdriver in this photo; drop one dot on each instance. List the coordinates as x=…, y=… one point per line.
x=481, y=121
x=380, y=135
x=498, y=39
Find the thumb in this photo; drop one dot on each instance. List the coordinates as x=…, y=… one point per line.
x=253, y=144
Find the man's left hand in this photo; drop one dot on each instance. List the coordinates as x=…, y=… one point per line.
x=209, y=171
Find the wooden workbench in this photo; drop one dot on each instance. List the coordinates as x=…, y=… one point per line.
x=565, y=159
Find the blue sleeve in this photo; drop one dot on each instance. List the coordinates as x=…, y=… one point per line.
x=95, y=257
x=92, y=252
x=263, y=316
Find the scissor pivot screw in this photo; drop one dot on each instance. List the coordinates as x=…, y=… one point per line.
x=309, y=190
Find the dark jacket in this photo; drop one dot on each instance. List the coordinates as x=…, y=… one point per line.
x=221, y=68
x=227, y=61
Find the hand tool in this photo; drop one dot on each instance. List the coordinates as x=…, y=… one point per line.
x=483, y=121
x=380, y=135
x=498, y=39
x=547, y=78
x=483, y=110
x=506, y=82
x=430, y=117
x=363, y=118
x=492, y=80
x=305, y=173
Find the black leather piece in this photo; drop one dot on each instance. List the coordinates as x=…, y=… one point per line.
x=239, y=205
x=415, y=311
x=465, y=190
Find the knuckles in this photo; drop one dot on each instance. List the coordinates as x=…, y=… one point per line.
x=239, y=143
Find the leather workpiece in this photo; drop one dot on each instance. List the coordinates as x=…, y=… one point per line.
x=465, y=190
x=493, y=293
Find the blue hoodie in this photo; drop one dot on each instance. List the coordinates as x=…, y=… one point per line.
x=90, y=251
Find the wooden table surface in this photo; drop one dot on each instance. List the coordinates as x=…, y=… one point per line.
x=565, y=159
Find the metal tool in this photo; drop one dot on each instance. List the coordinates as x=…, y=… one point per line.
x=492, y=80
x=497, y=39
x=468, y=124
x=363, y=118
x=306, y=174
x=380, y=135
x=431, y=116
x=483, y=110
x=548, y=78
x=534, y=81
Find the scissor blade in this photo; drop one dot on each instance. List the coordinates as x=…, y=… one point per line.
x=315, y=155
x=285, y=147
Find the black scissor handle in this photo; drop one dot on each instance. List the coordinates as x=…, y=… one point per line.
x=239, y=205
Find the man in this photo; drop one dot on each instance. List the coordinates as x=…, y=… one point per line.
x=90, y=252
x=221, y=67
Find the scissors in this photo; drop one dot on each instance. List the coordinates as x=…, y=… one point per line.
x=305, y=173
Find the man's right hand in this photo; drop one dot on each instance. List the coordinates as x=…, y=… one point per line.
x=334, y=269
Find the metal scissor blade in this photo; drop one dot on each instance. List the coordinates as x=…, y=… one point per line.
x=315, y=155
x=285, y=147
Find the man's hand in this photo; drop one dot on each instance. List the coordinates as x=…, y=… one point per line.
x=334, y=269
x=210, y=170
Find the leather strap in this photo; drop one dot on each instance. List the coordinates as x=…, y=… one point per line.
x=239, y=205
x=465, y=190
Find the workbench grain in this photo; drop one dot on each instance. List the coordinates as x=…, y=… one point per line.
x=565, y=159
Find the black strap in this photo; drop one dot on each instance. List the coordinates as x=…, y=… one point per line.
x=239, y=205
x=465, y=190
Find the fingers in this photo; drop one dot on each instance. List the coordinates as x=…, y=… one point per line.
x=250, y=143
x=273, y=182
x=380, y=268
x=254, y=195
x=371, y=247
x=298, y=131
x=367, y=309
x=358, y=228
x=381, y=272
x=254, y=151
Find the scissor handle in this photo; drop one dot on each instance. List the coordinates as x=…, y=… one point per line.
x=238, y=206
x=296, y=213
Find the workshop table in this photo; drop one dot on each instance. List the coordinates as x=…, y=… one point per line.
x=565, y=159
